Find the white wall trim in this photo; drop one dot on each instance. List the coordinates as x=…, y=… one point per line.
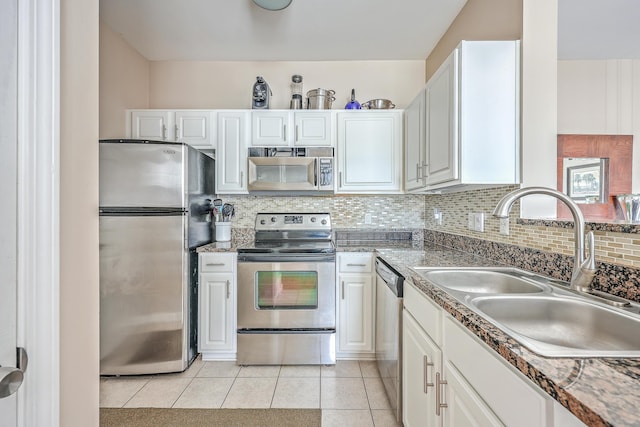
x=38, y=209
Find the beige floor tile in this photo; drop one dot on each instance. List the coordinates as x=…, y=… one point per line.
x=115, y=392
x=343, y=393
x=251, y=393
x=369, y=368
x=297, y=393
x=218, y=369
x=384, y=418
x=204, y=393
x=346, y=417
x=342, y=369
x=259, y=372
x=376, y=394
x=159, y=393
x=300, y=371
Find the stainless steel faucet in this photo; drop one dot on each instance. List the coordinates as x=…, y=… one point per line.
x=584, y=267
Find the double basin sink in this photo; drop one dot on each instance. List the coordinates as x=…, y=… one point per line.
x=542, y=314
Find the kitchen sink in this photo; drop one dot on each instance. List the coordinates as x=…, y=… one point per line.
x=482, y=281
x=563, y=326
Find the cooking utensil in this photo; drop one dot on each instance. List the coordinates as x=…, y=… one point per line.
x=227, y=212
x=353, y=104
x=320, y=99
x=378, y=104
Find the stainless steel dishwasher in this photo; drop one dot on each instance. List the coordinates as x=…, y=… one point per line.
x=389, y=288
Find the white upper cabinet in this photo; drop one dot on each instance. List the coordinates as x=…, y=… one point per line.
x=231, y=165
x=370, y=152
x=469, y=134
x=193, y=127
x=291, y=128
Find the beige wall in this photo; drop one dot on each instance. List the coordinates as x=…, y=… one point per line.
x=203, y=84
x=478, y=20
x=601, y=97
x=124, y=82
x=79, y=323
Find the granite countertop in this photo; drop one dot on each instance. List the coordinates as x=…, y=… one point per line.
x=599, y=391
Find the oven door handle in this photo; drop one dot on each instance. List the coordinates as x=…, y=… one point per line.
x=249, y=258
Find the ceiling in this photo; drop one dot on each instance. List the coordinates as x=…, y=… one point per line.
x=324, y=30
x=308, y=30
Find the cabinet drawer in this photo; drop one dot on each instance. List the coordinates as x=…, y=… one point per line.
x=355, y=263
x=216, y=262
x=427, y=313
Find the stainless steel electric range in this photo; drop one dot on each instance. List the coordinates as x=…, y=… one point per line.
x=286, y=291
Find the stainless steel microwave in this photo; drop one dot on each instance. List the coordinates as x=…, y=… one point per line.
x=291, y=169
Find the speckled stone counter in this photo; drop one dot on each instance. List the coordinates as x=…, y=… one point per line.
x=599, y=391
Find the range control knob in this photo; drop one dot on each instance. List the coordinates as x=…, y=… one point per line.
x=323, y=222
x=263, y=222
x=274, y=219
x=313, y=219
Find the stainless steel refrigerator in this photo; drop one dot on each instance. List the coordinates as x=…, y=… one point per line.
x=154, y=202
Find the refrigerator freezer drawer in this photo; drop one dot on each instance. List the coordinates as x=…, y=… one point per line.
x=145, y=295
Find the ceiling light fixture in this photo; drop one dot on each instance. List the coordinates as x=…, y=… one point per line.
x=273, y=4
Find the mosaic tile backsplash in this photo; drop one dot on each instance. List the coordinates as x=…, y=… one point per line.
x=392, y=211
x=611, y=247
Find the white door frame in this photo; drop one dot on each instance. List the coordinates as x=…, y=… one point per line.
x=38, y=209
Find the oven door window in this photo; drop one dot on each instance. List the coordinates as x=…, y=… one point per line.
x=289, y=290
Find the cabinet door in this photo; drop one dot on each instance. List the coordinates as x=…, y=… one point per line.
x=217, y=312
x=313, y=129
x=414, y=144
x=196, y=128
x=156, y=125
x=356, y=304
x=441, y=125
x=270, y=128
x=231, y=168
x=421, y=359
x=369, y=152
x=464, y=406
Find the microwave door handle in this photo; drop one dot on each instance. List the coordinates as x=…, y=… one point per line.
x=315, y=173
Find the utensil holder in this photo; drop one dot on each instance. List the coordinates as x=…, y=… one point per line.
x=223, y=231
x=629, y=206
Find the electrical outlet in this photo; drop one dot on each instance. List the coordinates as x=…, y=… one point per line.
x=479, y=222
x=367, y=218
x=437, y=215
x=504, y=226
x=471, y=222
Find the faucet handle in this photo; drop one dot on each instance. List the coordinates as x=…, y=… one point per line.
x=590, y=261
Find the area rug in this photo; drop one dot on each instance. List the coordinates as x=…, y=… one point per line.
x=178, y=417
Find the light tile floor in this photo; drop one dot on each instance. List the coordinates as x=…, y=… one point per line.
x=349, y=393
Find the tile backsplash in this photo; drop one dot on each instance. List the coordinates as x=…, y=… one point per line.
x=386, y=211
x=615, y=248
x=416, y=212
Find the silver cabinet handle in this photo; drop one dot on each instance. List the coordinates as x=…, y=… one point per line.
x=340, y=180
x=356, y=265
x=227, y=289
x=164, y=132
x=343, y=289
x=215, y=264
x=296, y=137
x=241, y=177
x=418, y=174
x=11, y=378
x=439, y=403
x=177, y=129
x=427, y=364
x=284, y=132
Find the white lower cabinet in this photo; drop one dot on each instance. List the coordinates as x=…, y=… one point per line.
x=356, y=306
x=217, y=306
x=452, y=379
